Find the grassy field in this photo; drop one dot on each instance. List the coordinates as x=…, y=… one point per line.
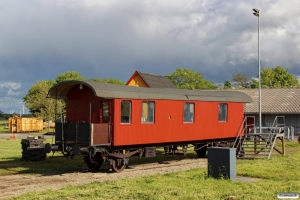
x=11, y=154
x=279, y=174
x=3, y=126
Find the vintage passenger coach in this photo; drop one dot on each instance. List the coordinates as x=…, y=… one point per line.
x=110, y=123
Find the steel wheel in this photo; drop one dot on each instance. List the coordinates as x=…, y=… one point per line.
x=117, y=165
x=92, y=165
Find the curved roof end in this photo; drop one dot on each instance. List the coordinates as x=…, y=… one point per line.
x=60, y=90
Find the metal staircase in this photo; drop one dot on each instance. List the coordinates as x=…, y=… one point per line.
x=250, y=144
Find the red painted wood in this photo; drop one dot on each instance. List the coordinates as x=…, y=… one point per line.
x=168, y=125
x=205, y=126
x=83, y=105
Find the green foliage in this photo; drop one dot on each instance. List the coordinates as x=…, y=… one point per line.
x=1, y=114
x=108, y=80
x=94, y=79
x=227, y=85
x=241, y=79
x=254, y=83
x=69, y=75
x=277, y=77
x=40, y=106
x=188, y=79
x=45, y=108
x=113, y=81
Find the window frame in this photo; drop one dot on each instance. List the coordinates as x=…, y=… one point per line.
x=148, y=116
x=129, y=114
x=184, y=113
x=106, y=115
x=221, y=116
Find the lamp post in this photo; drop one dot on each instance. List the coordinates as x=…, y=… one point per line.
x=256, y=13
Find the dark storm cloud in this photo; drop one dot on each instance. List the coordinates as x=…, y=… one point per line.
x=41, y=39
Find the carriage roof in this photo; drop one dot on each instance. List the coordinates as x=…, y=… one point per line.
x=113, y=91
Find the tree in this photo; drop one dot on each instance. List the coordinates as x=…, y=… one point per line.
x=277, y=77
x=227, y=84
x=241, y=79
x=254, y=83
x=113, y=81
x=40, y=106
x=188, y=79
x=46, y=108
x=1, y=113
x=108, y=80
x=69, y=75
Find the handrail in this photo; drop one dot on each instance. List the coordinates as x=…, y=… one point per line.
x=240, y=131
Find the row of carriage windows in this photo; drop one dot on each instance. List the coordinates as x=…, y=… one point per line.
x=148, y=107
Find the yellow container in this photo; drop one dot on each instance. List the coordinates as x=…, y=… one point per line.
x=18, y=125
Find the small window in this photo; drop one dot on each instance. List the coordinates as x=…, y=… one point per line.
x=222, y=112
x=105, y=111
x=188, y=112
x=147, y=112
x=125, y=112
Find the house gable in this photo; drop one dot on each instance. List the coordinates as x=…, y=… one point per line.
x=141, y=79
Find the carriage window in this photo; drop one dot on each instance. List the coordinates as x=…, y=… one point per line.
x=125, y=112
x=105, y=111
x=147, y=112
x=188, y=112
x=222, y=112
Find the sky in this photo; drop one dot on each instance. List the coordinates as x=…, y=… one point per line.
x=40, y=39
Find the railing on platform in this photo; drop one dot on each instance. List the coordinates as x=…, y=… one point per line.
x=250, y=143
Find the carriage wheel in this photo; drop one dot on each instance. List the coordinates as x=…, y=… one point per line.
x=201, y=152
x=117, y=165
x=93, y=166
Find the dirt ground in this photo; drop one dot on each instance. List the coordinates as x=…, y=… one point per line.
x=14, y=185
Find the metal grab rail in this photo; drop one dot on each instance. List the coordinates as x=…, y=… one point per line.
x=243, y=131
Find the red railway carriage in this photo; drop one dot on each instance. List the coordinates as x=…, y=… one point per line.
x=107, y=122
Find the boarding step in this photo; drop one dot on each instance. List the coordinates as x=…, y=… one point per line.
x=259, y=145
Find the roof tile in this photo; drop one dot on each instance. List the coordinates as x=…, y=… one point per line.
x=275, y=100
x=155, y=81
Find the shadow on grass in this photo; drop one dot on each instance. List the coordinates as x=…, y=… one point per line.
x=59, y=165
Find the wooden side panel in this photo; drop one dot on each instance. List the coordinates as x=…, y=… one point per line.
x=78, y=105
x=100, y=134
x=169, y=126
x=84, y=106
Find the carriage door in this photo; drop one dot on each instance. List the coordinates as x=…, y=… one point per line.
x=105, y=115
x=101, y=132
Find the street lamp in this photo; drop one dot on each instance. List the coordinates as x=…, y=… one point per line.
x=256, y=13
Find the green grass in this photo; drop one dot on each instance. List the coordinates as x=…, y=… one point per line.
x=11, y=153
x=3, y=126
x=279, y=174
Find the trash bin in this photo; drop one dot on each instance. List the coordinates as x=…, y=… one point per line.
x=222, y=162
